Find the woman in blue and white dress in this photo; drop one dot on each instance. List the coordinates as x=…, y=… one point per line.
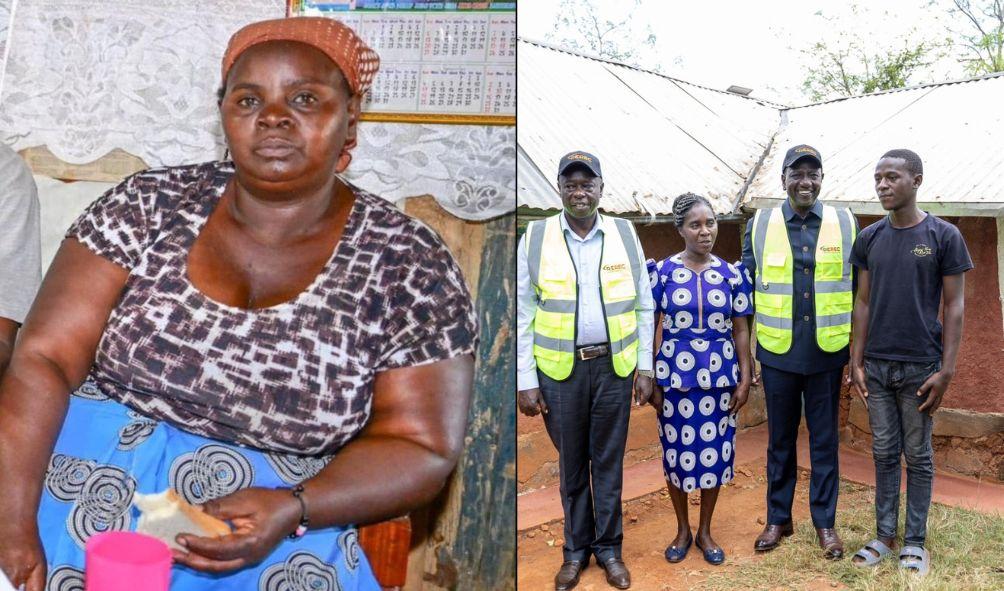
x=701, y=367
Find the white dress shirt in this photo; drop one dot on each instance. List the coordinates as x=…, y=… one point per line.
x=591, y=323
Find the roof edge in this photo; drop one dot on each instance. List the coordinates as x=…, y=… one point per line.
x=895, y=90
x=760, y=101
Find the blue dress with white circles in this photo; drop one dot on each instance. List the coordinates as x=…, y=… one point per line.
x=697, y=367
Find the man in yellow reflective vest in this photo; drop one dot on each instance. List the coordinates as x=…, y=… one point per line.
x=585, y=320
x=798, y=256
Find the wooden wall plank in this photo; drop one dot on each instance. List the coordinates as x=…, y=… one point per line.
x=470, y=538
x=110, y=168
x=484, y=551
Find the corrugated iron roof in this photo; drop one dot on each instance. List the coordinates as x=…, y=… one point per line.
x=532, y=185
x=957, y=128
x=657, y=137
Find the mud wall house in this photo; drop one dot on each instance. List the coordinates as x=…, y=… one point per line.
x=658, y=137
x=81, y=135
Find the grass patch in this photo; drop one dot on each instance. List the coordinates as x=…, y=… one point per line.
x=967, y=553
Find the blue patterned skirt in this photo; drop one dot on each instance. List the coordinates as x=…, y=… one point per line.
x=698, y=436
x=106, y=452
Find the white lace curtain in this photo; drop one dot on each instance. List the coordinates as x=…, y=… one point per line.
x=84, y=77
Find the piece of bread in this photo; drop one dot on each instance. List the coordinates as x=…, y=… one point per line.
x=165, y=515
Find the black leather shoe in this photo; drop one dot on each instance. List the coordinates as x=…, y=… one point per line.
x=617, y=574
x=829, y=541
x=771, y=536
x=568, y=575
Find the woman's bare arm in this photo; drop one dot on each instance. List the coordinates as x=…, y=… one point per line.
x=399, y=462
x=53, y=356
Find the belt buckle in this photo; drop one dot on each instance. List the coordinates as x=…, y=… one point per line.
x=591, y=352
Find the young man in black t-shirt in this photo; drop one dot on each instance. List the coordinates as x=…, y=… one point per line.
x=901, y=359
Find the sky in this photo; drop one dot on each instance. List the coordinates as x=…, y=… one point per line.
x=758, y=43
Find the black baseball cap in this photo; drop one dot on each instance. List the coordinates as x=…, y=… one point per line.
x=801, y=151
x=579, y=157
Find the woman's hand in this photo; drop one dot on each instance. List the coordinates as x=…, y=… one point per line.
x=739, y=396
x=261, y=518
x=22, y=558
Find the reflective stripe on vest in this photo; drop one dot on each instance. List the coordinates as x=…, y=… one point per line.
x=832, y=284
x=555, y=281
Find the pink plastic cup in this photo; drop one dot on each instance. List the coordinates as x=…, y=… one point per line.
x=126, y=561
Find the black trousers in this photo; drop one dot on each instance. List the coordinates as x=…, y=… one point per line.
x=784, y=393
x=587, y=421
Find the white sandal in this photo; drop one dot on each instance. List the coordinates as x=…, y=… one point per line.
x=915, y=559
x=871, y=554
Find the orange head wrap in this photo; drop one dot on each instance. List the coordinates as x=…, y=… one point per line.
x=358, y=63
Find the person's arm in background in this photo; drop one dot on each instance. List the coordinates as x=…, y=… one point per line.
x=528, y=398
x=644, y=386
x=749, y=261
x=20, y=248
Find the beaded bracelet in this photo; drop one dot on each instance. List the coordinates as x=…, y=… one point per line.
x=301, y=528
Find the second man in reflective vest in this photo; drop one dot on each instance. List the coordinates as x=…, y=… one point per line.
x=798, y=254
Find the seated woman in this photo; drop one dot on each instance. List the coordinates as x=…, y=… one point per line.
x=285, y=349
x=701, y=303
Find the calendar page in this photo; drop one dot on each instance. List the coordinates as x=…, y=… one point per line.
x=440, y=62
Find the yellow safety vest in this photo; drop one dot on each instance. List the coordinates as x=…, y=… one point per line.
x=554, y=278
x=775, y=271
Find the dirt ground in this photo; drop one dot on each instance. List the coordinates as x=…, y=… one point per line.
x=649, y=526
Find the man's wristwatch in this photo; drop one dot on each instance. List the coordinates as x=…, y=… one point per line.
x=648, y=373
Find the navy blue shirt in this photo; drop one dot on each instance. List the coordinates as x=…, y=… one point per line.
x=805, y=357
x=906, y=267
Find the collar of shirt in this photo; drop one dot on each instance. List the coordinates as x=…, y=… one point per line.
x=567, y=229
x=789, y=211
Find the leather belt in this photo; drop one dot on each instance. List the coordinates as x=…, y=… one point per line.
x=592, y=352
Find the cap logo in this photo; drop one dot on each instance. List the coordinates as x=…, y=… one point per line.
x=579, y=157
x=806, y=151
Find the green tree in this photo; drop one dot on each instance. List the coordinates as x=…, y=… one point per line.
x=978, y=34
x=583, y=28
x=849, y=59
x=851, y=69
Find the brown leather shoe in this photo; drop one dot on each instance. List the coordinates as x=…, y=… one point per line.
x=829, y=541
x=568, y=574
x=617, y=573
x=771, y=536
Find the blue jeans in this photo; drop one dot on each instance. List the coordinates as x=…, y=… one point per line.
x=898, y=428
